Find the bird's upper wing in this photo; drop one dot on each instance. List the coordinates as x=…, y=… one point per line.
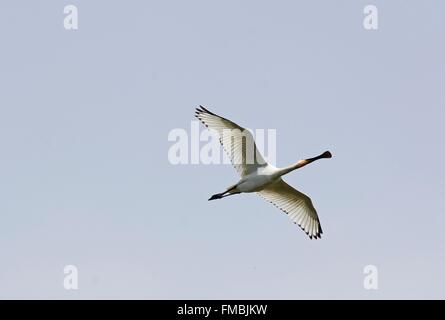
x=297, y=206
x=237, y=142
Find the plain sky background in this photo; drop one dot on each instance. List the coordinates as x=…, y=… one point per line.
x=84, y=173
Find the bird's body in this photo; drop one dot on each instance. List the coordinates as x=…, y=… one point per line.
x=259, y=176
x=256, y=181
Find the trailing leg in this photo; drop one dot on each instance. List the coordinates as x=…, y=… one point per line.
x=230, y=191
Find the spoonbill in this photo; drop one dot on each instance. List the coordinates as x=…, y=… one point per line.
x=259, y=176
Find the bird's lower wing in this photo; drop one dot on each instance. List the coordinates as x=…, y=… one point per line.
x=237, y=142
x=296, y=205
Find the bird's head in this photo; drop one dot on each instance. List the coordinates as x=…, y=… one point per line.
x=326, y=154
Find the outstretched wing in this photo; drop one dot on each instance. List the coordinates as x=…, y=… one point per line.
x=297, y=206
x=237, y=142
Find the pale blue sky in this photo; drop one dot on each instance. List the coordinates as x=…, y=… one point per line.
x=84, y=173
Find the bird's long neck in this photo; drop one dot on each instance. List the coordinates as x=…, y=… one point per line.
x=304, y=162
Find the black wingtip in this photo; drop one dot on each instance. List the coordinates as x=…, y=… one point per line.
x=206, y=110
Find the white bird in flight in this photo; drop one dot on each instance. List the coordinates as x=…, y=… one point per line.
x=259, y=176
